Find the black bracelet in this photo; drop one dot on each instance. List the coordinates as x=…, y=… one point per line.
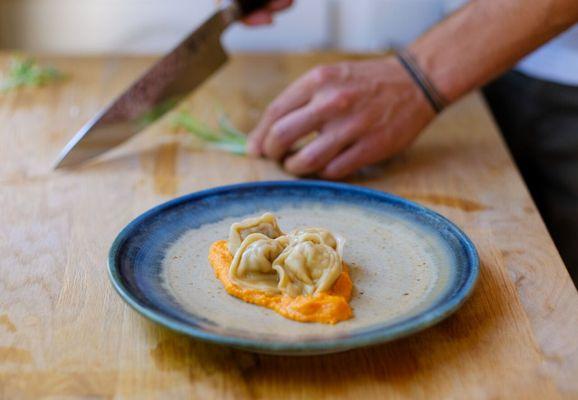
x=436, y=100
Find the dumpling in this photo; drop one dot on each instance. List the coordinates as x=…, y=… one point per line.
x=300, y=275
x=251, y=267
x=309, y=264
x=305, y=262
x=265, y=224
x=325, y=237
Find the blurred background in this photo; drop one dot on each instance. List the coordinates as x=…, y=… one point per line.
x=154, y=26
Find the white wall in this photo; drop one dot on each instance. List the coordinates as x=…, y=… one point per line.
x=153, y=26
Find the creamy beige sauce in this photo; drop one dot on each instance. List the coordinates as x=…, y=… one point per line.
x=397, y=268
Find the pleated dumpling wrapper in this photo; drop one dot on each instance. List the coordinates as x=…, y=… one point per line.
x=252, y=265
x=265, y=224
x=311, y=263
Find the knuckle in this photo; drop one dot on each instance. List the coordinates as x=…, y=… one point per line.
x=358, y=124
x=274, y=110
x=336, y=101
x=323, y=74
x=277, y=132
x=342, y=99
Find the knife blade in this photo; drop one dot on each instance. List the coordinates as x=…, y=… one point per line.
x=159, y=89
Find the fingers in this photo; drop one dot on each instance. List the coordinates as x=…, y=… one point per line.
x=283, y=105
x=289, y=129
x=362, y=153
x=296, y=95
x=262, y=17
x=347, y=163
x=265, y=16
x=278, y=5
x=380, y=144
x=286, y=131
x=334, y=137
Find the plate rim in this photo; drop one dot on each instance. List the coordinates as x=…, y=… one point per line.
x=371, y=336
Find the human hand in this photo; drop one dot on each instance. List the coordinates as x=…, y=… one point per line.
x=364, y=111
x=265, y=16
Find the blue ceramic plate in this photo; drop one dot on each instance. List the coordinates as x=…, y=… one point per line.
x=410, y=266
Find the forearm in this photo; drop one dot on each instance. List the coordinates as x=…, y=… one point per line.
x=485, y=38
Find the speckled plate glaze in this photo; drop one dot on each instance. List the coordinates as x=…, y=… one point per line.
x=154, y=247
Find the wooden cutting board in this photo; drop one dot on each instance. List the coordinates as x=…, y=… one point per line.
x=64, y=333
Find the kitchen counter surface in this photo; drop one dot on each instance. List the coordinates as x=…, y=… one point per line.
x=64, y=333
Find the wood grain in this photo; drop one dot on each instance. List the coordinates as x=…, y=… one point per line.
x=64, y=333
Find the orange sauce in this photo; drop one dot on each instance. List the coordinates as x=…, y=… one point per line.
x=327, y=308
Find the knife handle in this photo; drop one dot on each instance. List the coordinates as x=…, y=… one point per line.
x=248, y=6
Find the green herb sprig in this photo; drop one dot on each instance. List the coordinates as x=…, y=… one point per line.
x=26, y=72
x=226, y=137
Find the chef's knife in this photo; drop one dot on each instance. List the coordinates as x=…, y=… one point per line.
x=160, y=88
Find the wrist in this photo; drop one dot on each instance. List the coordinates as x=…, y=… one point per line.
x=428, y=89
x=408, y=93
x=438, y=70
